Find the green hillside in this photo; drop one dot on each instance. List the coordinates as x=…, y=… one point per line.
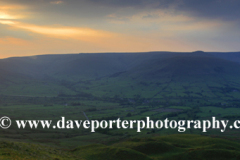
x=185, y=147
x=51, y=75
x=178, y=86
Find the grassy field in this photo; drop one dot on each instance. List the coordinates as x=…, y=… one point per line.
x=147, y=148
x=104, y=108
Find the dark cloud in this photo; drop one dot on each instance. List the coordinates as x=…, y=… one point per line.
x=210, y=9
x=220, y=9
x=135, y=3
x=70, y=12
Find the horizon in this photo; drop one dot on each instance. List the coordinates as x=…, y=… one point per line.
x=118, y=53
x=32, y=27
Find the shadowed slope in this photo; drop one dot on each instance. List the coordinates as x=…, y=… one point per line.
x=181, y=66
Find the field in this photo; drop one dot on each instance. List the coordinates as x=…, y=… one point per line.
x=177, y=88
x=182, y=147
x=110, y=108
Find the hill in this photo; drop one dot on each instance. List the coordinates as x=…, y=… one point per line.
x=181, y=66
x=76, y=73
x=182, y=147
x=195, y=85
x=90, y=66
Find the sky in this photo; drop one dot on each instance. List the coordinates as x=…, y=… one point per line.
x=35, y=27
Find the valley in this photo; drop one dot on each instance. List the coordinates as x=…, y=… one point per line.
x=159, y=85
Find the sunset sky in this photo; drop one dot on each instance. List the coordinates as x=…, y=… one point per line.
x=33, y=27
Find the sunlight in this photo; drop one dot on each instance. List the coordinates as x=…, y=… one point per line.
x=58, y=31
x=6, y=16
x=7, y=22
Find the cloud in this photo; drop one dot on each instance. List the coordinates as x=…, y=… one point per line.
x=11, y=46
x=58, y=26
x=12, y=12
x=56, y=2
x=211, y=9
x=6, y=16
x=7, y=22
x=59, y=31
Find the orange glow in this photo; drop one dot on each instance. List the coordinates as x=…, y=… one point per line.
x=7, y=22
x=61, y=32
x=12, y=11
x=31, y=29
x=116, y=43
x=5, y=16
x=5, y=7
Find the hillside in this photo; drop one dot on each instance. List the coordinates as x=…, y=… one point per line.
x=76, y=73
x=182, y=147
x=90, y=66
x=108, y=86
x=182, y=66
